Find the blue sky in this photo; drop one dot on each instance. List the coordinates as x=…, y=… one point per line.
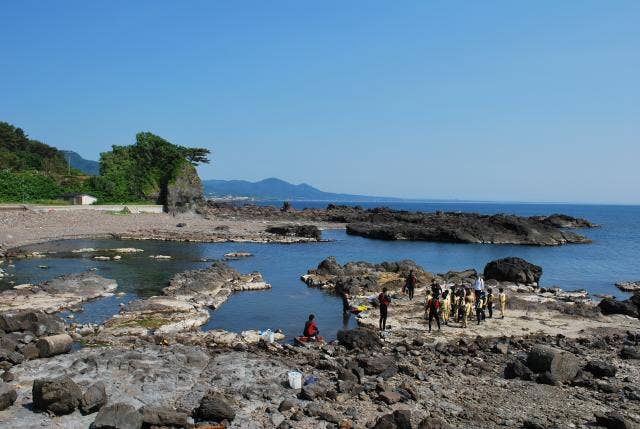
x=496, y=100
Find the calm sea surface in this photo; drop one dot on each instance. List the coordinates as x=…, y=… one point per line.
x=613, y=256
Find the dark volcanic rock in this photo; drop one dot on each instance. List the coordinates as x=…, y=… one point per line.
x=564, y=221
x=215, y=407
x=59, y=396
x=118, y=416
x=359, y=338
x=306, y=231
x=399, y=419
x=386, y=224
x=614, y=420
x=601, y=369
x=36, y=322
x=613, y=306
x=513, y=269
x=94, y=398
x=363, y=277
x=8, y=396
x=630, y=352
x=516, y=369
x=185, y=192
x=553, y=364
x=379, y=365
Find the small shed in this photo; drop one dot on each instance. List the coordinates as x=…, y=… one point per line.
x=80, y=199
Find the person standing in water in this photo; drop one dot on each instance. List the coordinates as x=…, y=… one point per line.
x=383, y=300
x=410, y=284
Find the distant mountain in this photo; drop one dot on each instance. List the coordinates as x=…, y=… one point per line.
x=92, y=168
x=276, y=189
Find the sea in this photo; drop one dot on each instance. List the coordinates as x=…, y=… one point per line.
x=613, y=256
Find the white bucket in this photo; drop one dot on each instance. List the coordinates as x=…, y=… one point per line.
x=295, y=379
x=268, y=336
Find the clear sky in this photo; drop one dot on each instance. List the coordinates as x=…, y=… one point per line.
x=495, y=100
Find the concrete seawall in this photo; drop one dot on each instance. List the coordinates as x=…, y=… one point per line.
x=133, y=208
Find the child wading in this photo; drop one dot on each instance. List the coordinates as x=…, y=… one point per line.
x=384, y=300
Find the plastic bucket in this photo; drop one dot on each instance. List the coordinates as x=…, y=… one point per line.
x=295, y=379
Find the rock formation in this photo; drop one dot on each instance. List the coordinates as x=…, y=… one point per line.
x=513, y=269
x=185, y=192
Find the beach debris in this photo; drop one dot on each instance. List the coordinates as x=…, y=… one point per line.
x=54, y=345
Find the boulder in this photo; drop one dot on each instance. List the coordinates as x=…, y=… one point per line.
x=601, y=369
x=287, y=404
x=59, y=396
x=614, y=420
x=215, y=407
x=8, y=396
x=513, y=269
x=322, y=412
x=36, y=322
x=165, y=417
x=516, y=369
x=389, y=397
x=384, y=366
x=359, y=339
x=630, y=352
x=118, y=416
x=613, y=306
x=399, y=419
x=553, y=363
x=94, y=398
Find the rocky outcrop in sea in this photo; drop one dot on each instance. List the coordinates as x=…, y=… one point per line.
x=387, y=224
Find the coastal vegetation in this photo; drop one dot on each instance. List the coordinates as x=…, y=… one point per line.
x=32, y=171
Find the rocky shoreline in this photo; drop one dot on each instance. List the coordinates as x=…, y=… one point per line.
x=557, y=360
x=31, y=227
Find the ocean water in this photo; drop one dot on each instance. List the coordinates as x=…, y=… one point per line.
x=613, y=256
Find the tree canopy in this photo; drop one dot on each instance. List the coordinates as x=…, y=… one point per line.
x=31, y=170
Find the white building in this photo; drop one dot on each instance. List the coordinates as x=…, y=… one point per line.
x=80, y=199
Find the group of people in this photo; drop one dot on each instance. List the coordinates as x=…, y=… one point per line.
x=457, y=303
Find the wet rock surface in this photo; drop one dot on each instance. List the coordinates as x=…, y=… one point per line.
x=60, y=293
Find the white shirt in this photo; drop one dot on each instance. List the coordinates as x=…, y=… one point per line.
x=479, y=285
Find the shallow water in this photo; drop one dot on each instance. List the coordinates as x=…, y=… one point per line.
x=596, y=267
